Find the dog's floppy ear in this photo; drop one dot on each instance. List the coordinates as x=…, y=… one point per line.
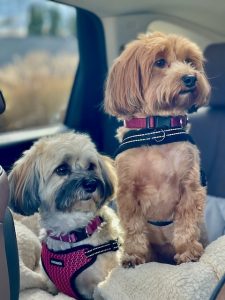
x=124, y=86
x=109, y=176
x=24, y=184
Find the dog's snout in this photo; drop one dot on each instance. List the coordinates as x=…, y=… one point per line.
x=90, y=185
x=189, y=80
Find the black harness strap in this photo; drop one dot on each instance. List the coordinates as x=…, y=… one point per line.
x=151, y=137
x=160, y=223
x=110, y=246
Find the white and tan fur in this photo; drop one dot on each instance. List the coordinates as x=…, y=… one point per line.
x=158, y=182
x=29, y=248
x=37, y=181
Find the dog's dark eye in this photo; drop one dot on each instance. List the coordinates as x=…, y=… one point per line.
x=190, y=62
x=63, y=170
x=160, y=63
x=91, y=167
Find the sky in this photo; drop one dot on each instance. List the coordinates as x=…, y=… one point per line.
x=14, y=15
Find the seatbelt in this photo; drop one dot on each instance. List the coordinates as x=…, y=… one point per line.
x=219, y=291
x=2, y=103
x=4, y=275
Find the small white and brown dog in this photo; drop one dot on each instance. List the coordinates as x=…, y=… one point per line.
x=68, y=182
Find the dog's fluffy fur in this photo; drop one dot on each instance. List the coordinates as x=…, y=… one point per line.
x=158, y=182
x=49, y=178
x=29, y=248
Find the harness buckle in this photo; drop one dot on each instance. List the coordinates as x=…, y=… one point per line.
x=114, y=245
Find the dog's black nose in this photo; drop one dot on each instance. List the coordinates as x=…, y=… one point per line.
x=89, y=185
x=189, y=80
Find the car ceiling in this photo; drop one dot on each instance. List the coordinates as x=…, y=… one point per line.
x=208, y=14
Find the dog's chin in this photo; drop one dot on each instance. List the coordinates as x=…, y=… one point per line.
x=84, y=205
x=185, y=98
x=187, y=91
x=87, y=197
x=87, y=202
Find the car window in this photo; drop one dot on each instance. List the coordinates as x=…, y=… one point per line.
x=38, y=60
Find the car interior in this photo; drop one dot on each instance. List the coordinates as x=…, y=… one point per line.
x=102, y=30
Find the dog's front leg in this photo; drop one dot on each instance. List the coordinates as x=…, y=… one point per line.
x=188, y=220
x=136, y=245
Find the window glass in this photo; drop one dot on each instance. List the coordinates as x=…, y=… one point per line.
x=38, y=60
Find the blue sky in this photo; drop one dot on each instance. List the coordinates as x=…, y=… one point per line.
x=14, y=14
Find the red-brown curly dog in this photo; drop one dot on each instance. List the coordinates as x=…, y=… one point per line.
x=151, y=86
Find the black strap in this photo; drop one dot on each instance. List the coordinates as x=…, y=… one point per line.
x=151, y=137
x=110, y=246
x=160, y=223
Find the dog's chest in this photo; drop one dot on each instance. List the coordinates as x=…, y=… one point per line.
x=158, y=163
x=154, y=174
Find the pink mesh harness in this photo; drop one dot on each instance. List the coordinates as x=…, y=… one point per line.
x=63, y=267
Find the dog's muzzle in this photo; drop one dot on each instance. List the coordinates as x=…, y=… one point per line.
x=77, y=188
x=189, y=82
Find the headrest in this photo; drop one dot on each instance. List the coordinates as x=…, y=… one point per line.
x=215, y=70
x=2, y=103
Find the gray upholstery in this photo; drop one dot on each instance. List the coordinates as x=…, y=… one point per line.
x=215, y=69
x=208, y=125
x=9, y=263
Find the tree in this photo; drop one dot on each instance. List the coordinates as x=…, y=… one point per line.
x=54, y=21
x=72, y=25
x=36, y=20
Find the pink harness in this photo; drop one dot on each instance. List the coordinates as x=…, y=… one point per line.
x=63, y=267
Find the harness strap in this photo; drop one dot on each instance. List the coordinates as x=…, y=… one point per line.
x=110, y=246
x=151, y=137
x=64, y=266
x=160, y=223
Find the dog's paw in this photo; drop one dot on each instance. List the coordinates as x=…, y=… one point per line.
x=130, y=261
x=192, y=254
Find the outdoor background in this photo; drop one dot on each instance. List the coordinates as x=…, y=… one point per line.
x=38, y=60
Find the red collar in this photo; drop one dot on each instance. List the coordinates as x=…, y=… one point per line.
x=79, y=234
x=157, y=122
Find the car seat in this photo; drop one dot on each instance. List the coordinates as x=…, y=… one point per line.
x=208, y=124
x=9, y=261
